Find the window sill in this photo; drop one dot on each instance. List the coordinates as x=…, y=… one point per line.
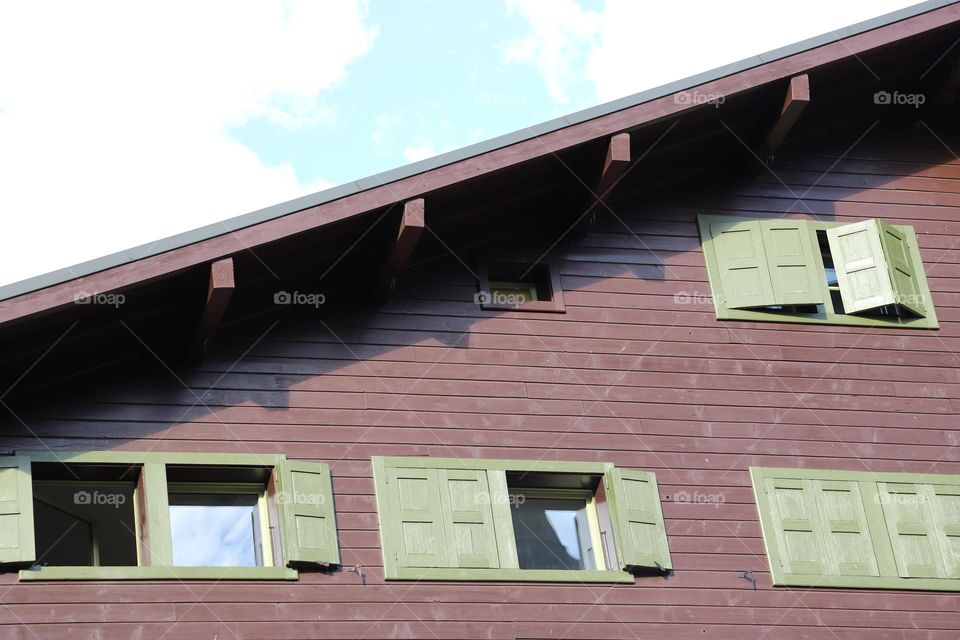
x=510, y=575
x=537, y=306
x=865, y=582
x=159, y=573
x=747, y=315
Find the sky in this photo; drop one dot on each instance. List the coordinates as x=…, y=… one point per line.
x=122, y=122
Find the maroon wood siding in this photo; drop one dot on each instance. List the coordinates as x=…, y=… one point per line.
x=637, y=372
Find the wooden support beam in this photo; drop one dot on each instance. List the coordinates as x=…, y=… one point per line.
x=411, y=227
x=798, y=96
x=219, y=291
x=614, y=166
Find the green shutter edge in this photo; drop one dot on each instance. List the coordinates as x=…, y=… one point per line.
x=389, y=539
x=287, y=510
x=159, y=573
x=827, y=317
x=782, y=579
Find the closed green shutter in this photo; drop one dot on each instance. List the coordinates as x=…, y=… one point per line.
x=414, y=525
x=907, y=289
x=945, y=513
x=640, y=534
x=465, y=504
x=820, y=527
x=305, y=502
x=16, y=511
x=875, y=267
x=742, y=262
x=917, y=527
x=794, y=270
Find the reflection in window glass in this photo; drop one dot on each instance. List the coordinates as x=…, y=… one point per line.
x=211, y=530
x=552, y=533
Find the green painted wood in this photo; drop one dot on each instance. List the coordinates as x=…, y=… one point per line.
x=158, y=573
x=501, y=505
x=796, y=270
x=140, y=457
x=861, y=265
x=465, y=505
x=307, y=517
x=639, y=530
x=513, y=575
x=505, y=465
x=742, y=264
x=156, y=540
x=414, y=530
x=944, y=503
x=902, y=269
x=16, y=511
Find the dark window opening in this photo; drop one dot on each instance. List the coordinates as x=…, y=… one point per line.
x=514, y=283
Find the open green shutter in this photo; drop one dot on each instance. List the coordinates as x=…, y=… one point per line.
x=641, y=537
x=305, y=501
x=795, y=272
x=414, y=522
x=742, y=262
x=16, y=511
x=820, y=527
x=465, y=503
x=912, y=530
x=874, y=267
x=907, y=290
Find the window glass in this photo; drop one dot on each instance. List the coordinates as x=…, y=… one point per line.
x=552, y=533
x=215, y=530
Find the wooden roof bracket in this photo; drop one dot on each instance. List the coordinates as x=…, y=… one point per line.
x=614, y=166
x=411, y=227
x=798, y=96
x=219, y=291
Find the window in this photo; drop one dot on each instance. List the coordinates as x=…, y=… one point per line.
x=860, y=530
x=453, y=519
x=519, y=283
x=118, y=515
x=867, y=273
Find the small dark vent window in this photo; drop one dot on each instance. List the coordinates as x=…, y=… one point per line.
x=519, y=284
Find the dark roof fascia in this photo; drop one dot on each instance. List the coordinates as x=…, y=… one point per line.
x=298, y=204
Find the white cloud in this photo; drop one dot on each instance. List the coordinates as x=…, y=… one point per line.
x=559, y=31
x=419, y=152
x=114, y=117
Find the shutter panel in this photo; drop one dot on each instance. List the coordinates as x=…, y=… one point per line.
x=820, y=527
x=640, y=534
x=305, y=500
x=465, y=503
x=415, y=522
x=874, y=267
x=911, y=529
x=742, y=262
x=906, y=288
x=795, y=272
x=16, y=511
x=945, y=513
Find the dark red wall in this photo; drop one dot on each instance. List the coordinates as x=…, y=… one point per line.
x=637, y=372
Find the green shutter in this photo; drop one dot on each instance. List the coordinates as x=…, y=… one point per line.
x=820, y=527
x=640, y=534
x=875, y=267
x=305, y=501
x=945, y=513
x=16, y=511
x=795, y=269
x=414, y=524
x=465, y=504
x=918, y=522
x=742, y=262
x=908, y=291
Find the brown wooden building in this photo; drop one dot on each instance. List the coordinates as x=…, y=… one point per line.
x=681, y=366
